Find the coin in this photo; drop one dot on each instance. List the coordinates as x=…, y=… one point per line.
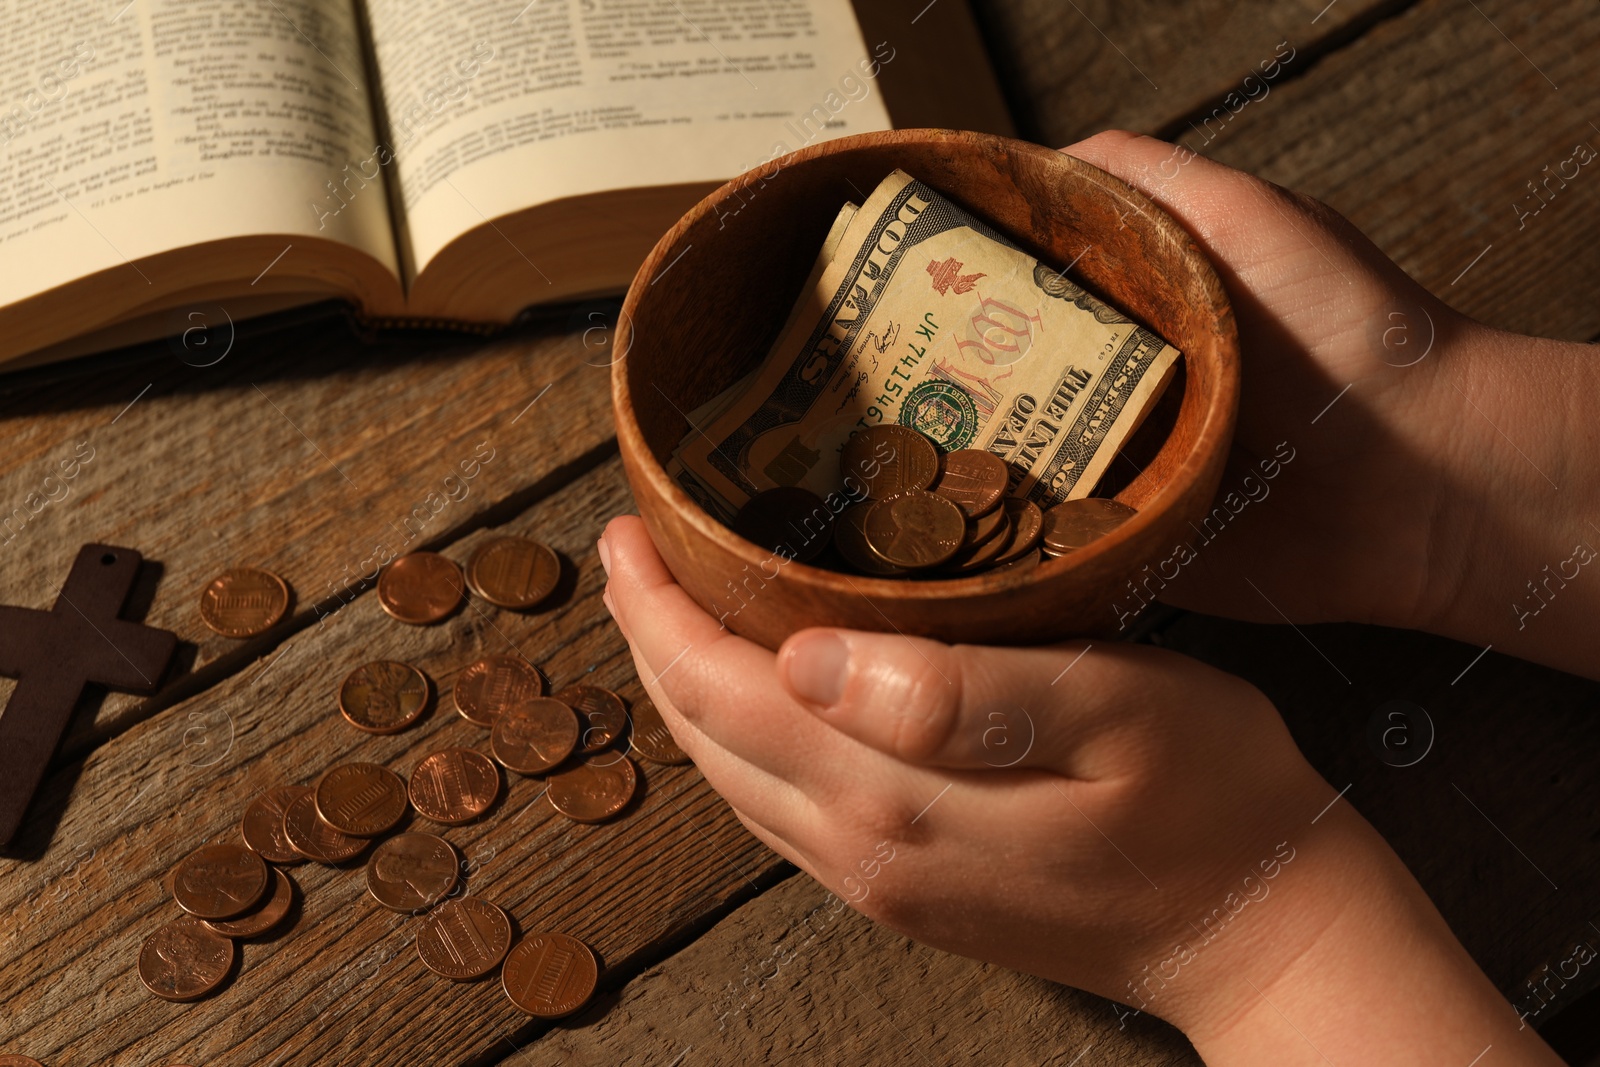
x=184, y=960
x=788, y=521
x=595, y=789
x=383, y=697
x=649, y=736
x=513, y=572
x=1074, y=523
x=266, y=915
x=262, y=825
x=972, y=479
x=985, y=526
x=313, y=838
x=979, y=553
x=420, y=588
x=464, y=938
x=220, y=881
x=1027, y=522
x=601, y=713
x=412, y=872
x=915, y=529
x=243, y=602
x=534, y=736
x=490, y=686
x=550, y=975
x=887, y=460
x=850, y=538
x=454, y=785
x=361, y=799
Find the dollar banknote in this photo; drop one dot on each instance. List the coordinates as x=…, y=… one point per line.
x=924, y=315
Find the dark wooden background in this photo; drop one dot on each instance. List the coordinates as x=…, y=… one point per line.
x=306, y=451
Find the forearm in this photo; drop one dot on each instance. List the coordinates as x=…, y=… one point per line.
x=1517, y=548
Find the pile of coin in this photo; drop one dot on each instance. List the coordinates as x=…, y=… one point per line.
x=909, y=510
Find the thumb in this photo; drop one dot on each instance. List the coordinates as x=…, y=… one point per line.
x=932, y=704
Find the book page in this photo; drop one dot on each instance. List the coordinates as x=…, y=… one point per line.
x=494, y=107
x=131, y=127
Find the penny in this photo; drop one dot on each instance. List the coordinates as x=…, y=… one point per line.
x=454, y=785
x=265, y=916
x=513, y=572
x=972, y=479
x=850, y=538
x=915, y=529
x=1072, y=524
x=788, y=521
x=313, y=838
x=220, y=881
x=383, y=697
x=243, y=602
x=887, y=460
x=184, y=960
x=1027, y=522
x=1022, y=564
x=979, y=554
x=412, y=872
x=464, y=938
x=534, y=736
x=649, y=736
x=361, y=799
x=550, y=975
x=262, y=825
x=595, y=789
x=601, y=713
x=420, y=588
x=985, y=526
x=488, y=687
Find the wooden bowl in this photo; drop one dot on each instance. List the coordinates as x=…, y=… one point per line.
x=709, y=299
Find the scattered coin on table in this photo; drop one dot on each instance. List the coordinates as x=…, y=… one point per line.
x=412, y=872
x=464, y=938
x=788, y=521
x=550, y=975
x=1072, y=524
x=649, y=736
x=513, y=572
x=601, y=712
x=313, y=838
x=454, y=785
x=915, y=529
x=184, y=960
x=595, y=788
x=262, y=825
x=420, y=588
x=384, y=696
x=535, y=736
x=488, y=687
x=243, y=602
x=220, y=881
x=265, y=917
x=361, y=799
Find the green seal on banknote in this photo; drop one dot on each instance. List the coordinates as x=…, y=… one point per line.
x=942, y=411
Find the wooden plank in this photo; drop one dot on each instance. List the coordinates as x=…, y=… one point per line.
x=345, y=984
x=795, y=977
x=1072, y=70
x=1497, y=821
x=300, y=452
x=1426, y=133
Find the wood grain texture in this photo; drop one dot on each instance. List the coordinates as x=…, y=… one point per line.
x=796, y=977
x=344, y=985
x=299, y=452
x=689, y=335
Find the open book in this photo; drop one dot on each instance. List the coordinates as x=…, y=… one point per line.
x=427, y=161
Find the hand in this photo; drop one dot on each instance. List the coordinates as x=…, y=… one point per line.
x=1404, y=504
x=1118, y=818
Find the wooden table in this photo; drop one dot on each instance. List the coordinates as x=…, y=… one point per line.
x=311, y=454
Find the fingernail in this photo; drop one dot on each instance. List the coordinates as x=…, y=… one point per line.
x=605, y=598
x=817, y=666
x=605, y=555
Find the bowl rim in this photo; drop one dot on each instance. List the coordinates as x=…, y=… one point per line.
x=1217, y=415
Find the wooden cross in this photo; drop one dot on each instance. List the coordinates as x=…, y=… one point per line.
x=54, y=654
